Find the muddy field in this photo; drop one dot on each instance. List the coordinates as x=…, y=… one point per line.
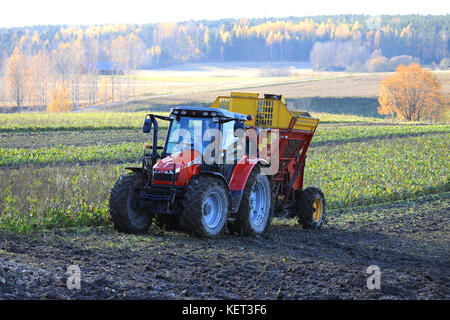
x=409, y=241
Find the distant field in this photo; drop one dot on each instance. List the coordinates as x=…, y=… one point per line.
x=199, y=77
x=198, y=84
x=201, y=83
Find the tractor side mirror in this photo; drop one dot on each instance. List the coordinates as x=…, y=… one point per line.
x=239, y=128
x=147, y=125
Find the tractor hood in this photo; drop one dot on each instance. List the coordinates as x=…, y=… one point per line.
x=176, y=163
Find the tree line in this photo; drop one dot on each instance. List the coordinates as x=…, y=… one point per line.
x=40, y=77
x=37, y=60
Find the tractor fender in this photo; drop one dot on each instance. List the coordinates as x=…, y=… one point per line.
x=216, y=175
x=220, y=177
x=240, y=176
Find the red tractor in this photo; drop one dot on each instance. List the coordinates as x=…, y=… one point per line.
x=220, y=169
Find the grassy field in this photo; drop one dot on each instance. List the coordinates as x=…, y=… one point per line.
x=56, y=169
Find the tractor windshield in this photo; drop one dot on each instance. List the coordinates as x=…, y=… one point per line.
x=187, y=133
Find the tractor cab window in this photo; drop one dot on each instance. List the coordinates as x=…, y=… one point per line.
x=228, y=137
x=187, y=133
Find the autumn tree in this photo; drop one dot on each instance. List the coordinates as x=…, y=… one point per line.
x=68, y=59
x=59, y=99
x=16, y=76
x=136, y=50
x=3, y=91
x=126, y=53
x=39, y=78
x=117, y=54
x=104, y=91
x=92, y=58
x=412, y=94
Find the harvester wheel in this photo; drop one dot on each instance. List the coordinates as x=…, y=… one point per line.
x=255, y=211
x=311, y=208
x=205, y=207
x=123, y=205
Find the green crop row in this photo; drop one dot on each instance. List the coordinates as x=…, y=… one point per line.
x=326, y=118
x=133, y=150
x=353, y=174
x=380, y=170
x=53, y=197
x=36, y=121
x=356, y=133
x=38, y=140
x=65, y=154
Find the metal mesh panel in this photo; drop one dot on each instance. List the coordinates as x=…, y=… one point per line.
x=224, y=103
x=264, y=113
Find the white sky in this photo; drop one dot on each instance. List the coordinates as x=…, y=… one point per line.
x=85, y=12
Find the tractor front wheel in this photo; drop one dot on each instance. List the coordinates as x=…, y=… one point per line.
x=255, y=210
x=311, y=208
x=205, y=207
x=124, y=209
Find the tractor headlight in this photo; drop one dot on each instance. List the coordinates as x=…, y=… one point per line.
x=175, y=111
x=205, y=113
x=184, y=112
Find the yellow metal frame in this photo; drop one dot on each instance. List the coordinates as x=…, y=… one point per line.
x=266, y=113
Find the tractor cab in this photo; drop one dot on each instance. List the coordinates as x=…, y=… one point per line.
x=196, y=128
x=195, y=139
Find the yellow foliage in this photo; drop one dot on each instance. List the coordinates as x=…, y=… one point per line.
x=59, y=99
x=104, y=91
x=412, y=94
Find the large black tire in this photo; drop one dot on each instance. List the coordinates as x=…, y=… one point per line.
x=123, y=200
x=253, y=218
x=311, y=208
x=205, y=207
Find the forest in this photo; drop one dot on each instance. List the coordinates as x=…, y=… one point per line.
x=40, y=61
x=425, y=37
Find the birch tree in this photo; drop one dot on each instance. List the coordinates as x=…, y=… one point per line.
x=16, y=76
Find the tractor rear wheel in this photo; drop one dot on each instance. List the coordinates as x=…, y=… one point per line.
x=205, y=207
x=311, y=208
x=255, y=211
x=124, y=205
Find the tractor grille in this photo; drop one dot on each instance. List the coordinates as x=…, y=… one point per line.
x=165, y=177
x=161, y=192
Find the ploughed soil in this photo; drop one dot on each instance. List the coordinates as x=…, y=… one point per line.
x=409, y=241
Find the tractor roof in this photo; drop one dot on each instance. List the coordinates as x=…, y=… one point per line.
x=191, y=111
